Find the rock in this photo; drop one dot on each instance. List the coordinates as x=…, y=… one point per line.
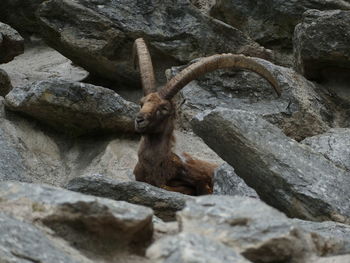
x=285, y=174
x=11, y=43
x=21, y=242
x=248, y=226
x=322, y=42
x=269, y=22
x=85, y=221
x=74, y=108
x=191, y=248
x=336, y=236
x=164, y=203
x=300, y=111
x=227, y=182
x=334, y=145
x=5, y=83
x=99, y=35
x=337, y=259
x=20, y=14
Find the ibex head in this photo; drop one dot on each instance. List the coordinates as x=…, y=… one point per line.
x=156, y=106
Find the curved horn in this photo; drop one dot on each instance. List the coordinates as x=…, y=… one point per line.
x=212, y=63
x=141, y=54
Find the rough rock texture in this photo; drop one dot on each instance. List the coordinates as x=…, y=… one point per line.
x=164, y=203
x=73, y=107
x=334, y=145
x=21, y=242
x=80, y=219
x=20, y=14
x=98, y=35
x=337, y=259
x=249, y=226
x=300, y=111
x=227, y=182
x=336, y=236
x=5, y=83
x=11, y=43
x=322, y=42
x=192, y=248
x=285, y=174
x=270, y=22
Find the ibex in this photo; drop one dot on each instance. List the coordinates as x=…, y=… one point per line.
x=157, y=164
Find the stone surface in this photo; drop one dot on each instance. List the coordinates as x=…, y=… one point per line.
x=248, y=226
x=80, y=219
x=287, y=175
x=337, y=259
x=300, y=111
x=164, y=203
x=11, y=43
x=5, y=83
x=227, y=182
x=192, y=248
x=322, y=42
x=334, y=145
x=98, y=35
x=74, y=108
x=270, y=22
x=21, y=242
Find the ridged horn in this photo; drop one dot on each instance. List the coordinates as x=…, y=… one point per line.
x=142, y=56
x=212, y=63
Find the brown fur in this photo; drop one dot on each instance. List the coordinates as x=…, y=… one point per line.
x=158, y=164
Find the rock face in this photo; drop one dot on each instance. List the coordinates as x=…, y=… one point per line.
x=84, y=221
x=227, y=182
x=322, y=42
x=300, y=111
x=285, y=174
x=73, y=107
x=11, y=43
x=99, y=35
x=269, y=22
x=5, y=83
x=334, y=145
x=164, y=203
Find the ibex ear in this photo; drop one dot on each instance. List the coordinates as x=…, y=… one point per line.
x=142, y=56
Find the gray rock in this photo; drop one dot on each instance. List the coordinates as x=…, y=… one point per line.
x=11, y=43
x=336, y=236
x=337, y=259
x=83, y=220
x=285, y=174
x=5, y=83
x=164, y=203
x=334, y=145
x=73, y=107
x=300, y=111
x=227, y=182
x=21, y=242
x=270, y=22
x=322, y=42
x=98, y=35
x=192, y=248
x=248, y=226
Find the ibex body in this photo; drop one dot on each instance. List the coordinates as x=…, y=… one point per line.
x=158, y=164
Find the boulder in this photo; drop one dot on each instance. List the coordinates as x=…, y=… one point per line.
x=322, y=42
x=285, y=174
x=84, y=221
x=74, y=108
x=334, y=145
x=164, y=203
x=191, y=248
x=300, y=111
x=5, y=83
x=11, y=43
x=98, y=35
x=227, y=182
x=248, y=226
x=269, y=22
